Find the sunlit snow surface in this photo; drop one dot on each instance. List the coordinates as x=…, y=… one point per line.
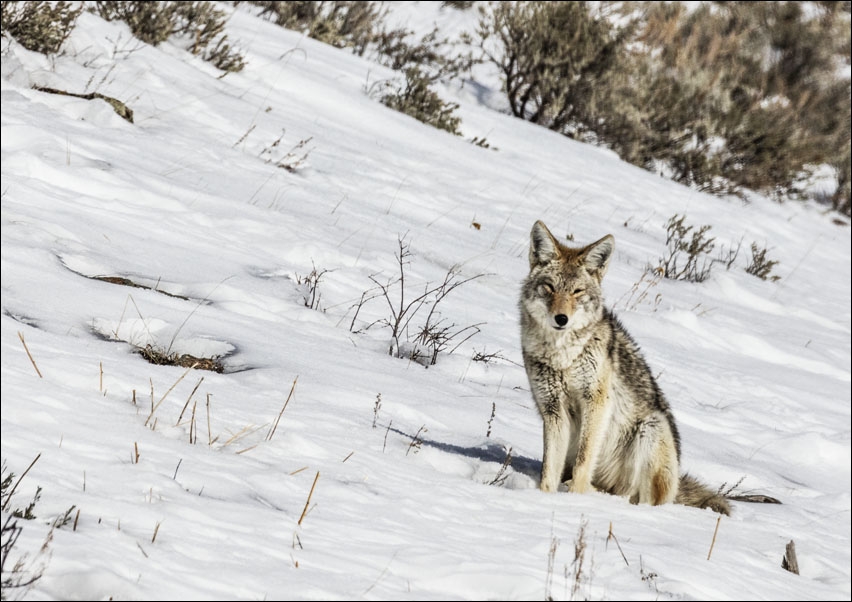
x=188, y=201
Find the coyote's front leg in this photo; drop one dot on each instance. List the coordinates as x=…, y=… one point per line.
x=592, y=433
x=557, y=433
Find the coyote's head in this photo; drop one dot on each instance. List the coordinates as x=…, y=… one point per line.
x=563, y=289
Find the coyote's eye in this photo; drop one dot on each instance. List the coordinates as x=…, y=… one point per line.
x=545, y=289
x=579, y=291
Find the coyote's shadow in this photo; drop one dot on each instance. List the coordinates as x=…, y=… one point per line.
x=487, y=452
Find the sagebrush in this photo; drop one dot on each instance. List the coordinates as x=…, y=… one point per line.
x=39, y=26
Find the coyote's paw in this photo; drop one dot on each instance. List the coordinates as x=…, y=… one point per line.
x=579, y=486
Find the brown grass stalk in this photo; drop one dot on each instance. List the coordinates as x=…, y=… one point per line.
x=29, y=355
x=308, y=501
x=188, y=399
x=715, y=531
x=163, y=398
x=284, y=407
x=209, y=434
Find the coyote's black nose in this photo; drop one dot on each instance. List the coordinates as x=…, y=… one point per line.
x=561, y=319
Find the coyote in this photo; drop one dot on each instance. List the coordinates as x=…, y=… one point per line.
x=607, y=425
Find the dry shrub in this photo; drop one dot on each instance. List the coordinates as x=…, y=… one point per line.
x=725, y=97
x=344, y=24
x=200, y=23
x=39, y=26
x=415, y=98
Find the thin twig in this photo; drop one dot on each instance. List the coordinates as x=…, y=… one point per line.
x=384, y=445
x=615, y=539
x=18, y=482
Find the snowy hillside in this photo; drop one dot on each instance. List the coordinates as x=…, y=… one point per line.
x=380, y=478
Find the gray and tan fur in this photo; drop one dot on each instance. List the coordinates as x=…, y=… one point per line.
x=607, y=425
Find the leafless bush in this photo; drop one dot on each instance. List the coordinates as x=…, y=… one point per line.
x=641, y=290
x=19, y=571
x=687, y=251
x=434, y=335
x=310, y=287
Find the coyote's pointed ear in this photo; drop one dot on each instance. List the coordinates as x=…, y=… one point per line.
x=543, y=247
x=597, y=255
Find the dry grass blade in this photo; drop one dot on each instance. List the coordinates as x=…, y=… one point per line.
x=243, y=432
x=715, y=532
x=193, y=430
x=29, y=355
x=154, y=409
x=209, y=433
x=308, y=501
x=188, y=399
x=284, y=407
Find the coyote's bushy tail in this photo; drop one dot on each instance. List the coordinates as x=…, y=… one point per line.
x=693, y=492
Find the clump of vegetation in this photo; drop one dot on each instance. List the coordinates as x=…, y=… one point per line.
x=725, y=97
x=438, y=58
x=39, y=26
x=201, y=24
x=166, y=357
x=18, y=571
x=340, y=23
x=457, y=4
x=760, y=265
x=423, y=63
x=688, y=256
x=415, y=98
x=360, y=27
x=688, y=251
x=551, y=55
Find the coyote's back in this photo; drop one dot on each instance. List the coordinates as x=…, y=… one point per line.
x=607, y=425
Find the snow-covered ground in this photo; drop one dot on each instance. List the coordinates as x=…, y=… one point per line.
x=348, y=498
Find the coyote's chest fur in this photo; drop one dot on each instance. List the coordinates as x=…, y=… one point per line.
x=606, y=423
